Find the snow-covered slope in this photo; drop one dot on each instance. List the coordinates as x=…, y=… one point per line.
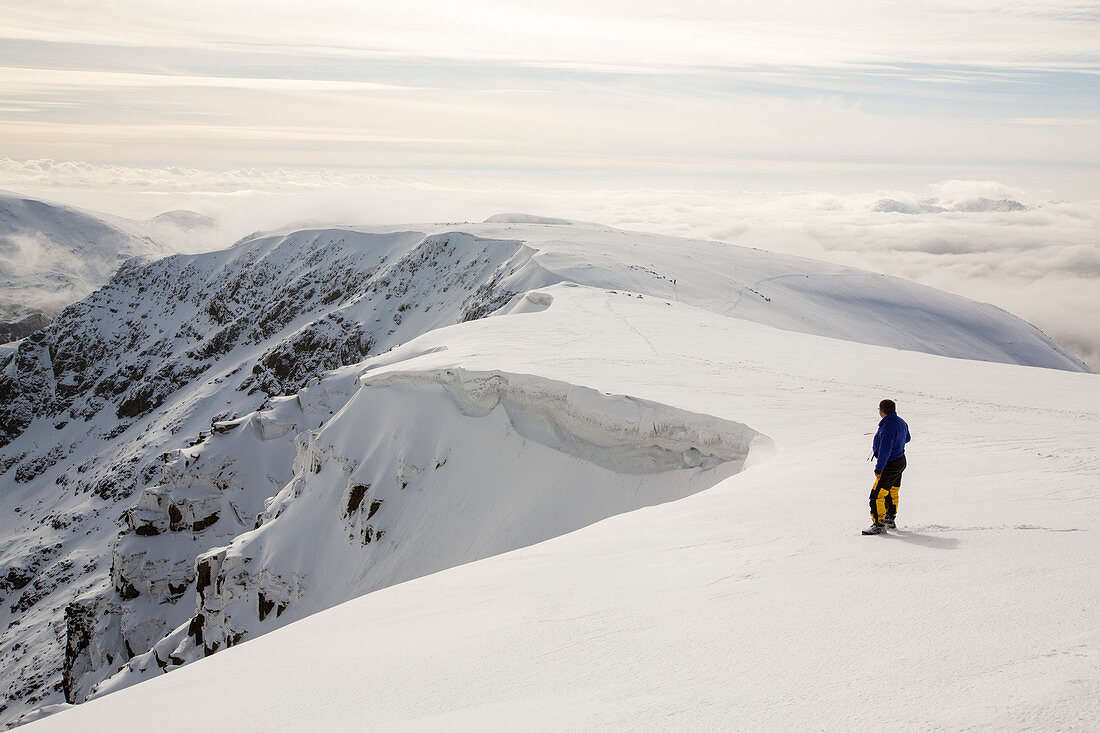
x=53, y=255
x=142, y=368
x=218, y=538
x=786, y=292
x=754, y=605
x=404, y=481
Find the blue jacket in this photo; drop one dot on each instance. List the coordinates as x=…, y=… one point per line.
x=890, y=440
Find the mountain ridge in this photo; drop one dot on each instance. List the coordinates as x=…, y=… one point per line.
x=97, y=405
x=752, y=604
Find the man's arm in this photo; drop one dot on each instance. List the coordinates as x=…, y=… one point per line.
x=884, y=441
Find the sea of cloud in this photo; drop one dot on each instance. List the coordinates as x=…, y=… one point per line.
x=1024, y=251
x=1033, y=256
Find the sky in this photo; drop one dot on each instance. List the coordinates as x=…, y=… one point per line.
x=777, y=125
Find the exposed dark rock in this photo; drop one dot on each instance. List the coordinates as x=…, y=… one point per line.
x=28, y=599
x=26, y=388
x=153, y=390
x=370, y=534
x=326, y=344
x=174, y=518
x=202, y=524
x=16, y=579
x=265, y=605
x=487, y=299
x=355, y=497
x=194, y=629
x=15, y=330
x=128, y=592
x=221, y=428
x=203, y=573
x=140, y=402
x=79, y=628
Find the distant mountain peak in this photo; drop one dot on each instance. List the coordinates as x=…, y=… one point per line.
x=525, y=219
x=935, y=206
x=185, y=218
x=52, y=255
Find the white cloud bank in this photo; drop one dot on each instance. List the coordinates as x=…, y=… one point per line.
x=1040, y=261
x=1019, y=250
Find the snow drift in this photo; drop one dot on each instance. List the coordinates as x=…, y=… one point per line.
x=422, y=471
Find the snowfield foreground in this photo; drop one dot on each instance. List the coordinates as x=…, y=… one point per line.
x=751, y=605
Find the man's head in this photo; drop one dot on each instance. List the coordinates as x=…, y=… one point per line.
x=887, y=407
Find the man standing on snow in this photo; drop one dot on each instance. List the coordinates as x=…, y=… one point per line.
x=889, y=454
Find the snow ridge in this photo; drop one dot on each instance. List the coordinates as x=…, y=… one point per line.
x=422, y=471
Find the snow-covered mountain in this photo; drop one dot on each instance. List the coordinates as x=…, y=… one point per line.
x=176, y=231
x=935, y=206
x=184, y=471
x=753, y=605
x=53, y=255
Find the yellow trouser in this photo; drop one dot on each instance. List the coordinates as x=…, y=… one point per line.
x=884, y=501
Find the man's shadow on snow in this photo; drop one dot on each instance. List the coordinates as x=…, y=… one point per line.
x=924, y=540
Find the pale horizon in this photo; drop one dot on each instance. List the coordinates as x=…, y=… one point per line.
x=718, y=95
x=774, y=127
